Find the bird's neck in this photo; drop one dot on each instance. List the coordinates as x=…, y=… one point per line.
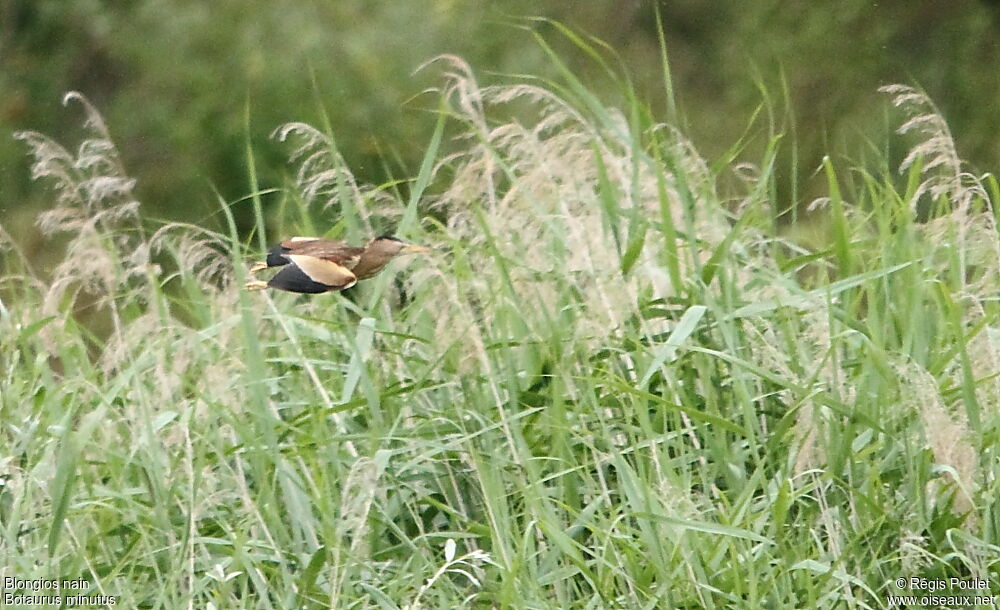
x=368, y=265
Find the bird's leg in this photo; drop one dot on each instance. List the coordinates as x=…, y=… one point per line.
x=258, y=267
x=255, y=285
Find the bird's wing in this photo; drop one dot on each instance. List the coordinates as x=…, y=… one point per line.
x=324, y=271
x=334, y=251
x=292, y=279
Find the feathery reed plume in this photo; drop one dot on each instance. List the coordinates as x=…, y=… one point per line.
x=322, y=172
x=324, y=179
x=940, y=162
x=108, y=255
x=538, y=186
x=199, y=251
x=969, y=228
x=95, y=203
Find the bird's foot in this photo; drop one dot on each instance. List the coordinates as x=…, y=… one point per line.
x=258, y=267
x=255, y=285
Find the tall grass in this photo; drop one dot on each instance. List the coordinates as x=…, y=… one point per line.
x=608, y=386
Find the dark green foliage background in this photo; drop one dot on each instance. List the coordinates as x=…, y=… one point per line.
x=179, y=82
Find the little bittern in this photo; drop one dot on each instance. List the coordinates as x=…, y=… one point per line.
x=311, y=265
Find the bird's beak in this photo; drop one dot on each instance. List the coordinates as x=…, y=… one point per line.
x=414, y=249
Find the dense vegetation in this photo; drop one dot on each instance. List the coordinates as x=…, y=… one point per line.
x=610, y=386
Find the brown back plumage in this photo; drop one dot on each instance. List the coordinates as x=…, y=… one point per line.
x=326, y=249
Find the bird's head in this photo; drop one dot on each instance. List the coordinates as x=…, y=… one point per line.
x=380, y=251
x=391, y=246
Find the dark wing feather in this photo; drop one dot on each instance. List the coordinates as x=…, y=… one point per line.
x=292, y=279
x=276, y=256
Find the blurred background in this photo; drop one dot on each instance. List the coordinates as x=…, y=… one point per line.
x=185, y=86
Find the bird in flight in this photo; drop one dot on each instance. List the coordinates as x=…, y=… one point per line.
x=310, y=265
